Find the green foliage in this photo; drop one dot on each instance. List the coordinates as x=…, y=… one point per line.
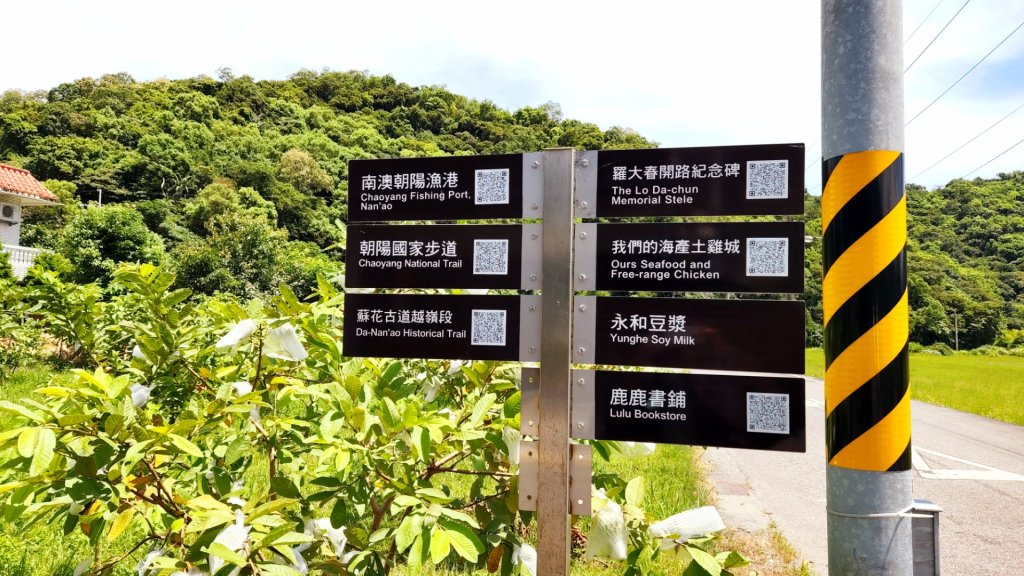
x=100, y=238
x=6, y=271
x=42, y=224
x=239, y=436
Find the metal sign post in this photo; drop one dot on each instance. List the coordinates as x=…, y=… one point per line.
x=557, y=300
x=867, y=401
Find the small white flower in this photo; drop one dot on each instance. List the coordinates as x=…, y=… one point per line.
x=527, y=556
x=511, y=436
x=238, y=335
x=608, y=533
x=282, y=343
x=143, y=566
x=82, y=567
x=234, y=538
x=141, y=395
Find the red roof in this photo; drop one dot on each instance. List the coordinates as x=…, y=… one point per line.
x=21, y=183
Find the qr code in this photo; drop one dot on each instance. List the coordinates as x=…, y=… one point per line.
x=767, y=179
x=768, y=413
x=490, y=257
x=492, y=186
x=487, y=328
x=767, y=256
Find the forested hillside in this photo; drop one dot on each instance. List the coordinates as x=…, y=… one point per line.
x=236, y=185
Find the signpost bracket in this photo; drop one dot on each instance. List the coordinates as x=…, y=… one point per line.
x=529, y=455
x=580, y=479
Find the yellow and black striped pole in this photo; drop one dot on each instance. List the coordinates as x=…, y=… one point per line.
x=867, y=397
x=864, y=289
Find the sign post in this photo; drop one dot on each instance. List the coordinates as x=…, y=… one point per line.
x=560, y=329
x=869, y=481
x=553, y=536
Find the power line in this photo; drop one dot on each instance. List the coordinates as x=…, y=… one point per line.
x=923, y=21
x=937, y=36
x=962, y=146
x=994, y=159
x=1001, y=42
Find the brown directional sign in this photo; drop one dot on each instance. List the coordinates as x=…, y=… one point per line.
x=433, y=326
x=719, y=180
x=442, y=188
x=740, y=335
x=444, y=256
x=760, y=257
x=730, y=411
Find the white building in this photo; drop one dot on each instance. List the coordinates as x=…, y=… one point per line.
x=19, y=189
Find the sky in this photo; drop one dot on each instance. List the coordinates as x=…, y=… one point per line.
x=682, y=73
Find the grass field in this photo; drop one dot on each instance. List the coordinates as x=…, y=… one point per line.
x=990, y=386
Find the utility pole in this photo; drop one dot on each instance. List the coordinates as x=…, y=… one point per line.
x=867, y=399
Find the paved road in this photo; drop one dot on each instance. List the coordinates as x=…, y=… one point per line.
x=972, y=467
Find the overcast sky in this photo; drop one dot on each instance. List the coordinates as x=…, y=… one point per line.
x=684, y=73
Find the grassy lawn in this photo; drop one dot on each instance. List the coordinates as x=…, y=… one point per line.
x=990, y=386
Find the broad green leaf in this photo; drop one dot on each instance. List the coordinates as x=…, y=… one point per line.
x=389, y=415
x=407, y=531
x=461, y=517
x=278, y=570
x=465, y=542
x=270, y=507
x=56, y=391
x=185, y=446
x=406, y=501
x=434, y=495
x=207, y=502
x=11, y=486
x=226, y=554
x=731, y=559
x=20, y=410
x=419, y=552
x=635, y=491
x=28, y=441
x=511, y=407
x=273, y=536
x=120, y=523
x=177, y=297
x=440, y=544
x=43, y=452
x=705, y=561
x=421, y=443
x=480, y=409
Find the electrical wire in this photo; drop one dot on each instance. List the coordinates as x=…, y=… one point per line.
x=983, y=58
x=937, y=36
x=994, y=159
x=923, y=21
x=962, y=146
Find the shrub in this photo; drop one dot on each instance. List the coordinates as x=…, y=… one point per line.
x=100, y=238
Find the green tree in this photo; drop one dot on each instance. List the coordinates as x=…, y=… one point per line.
x=98, y=239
